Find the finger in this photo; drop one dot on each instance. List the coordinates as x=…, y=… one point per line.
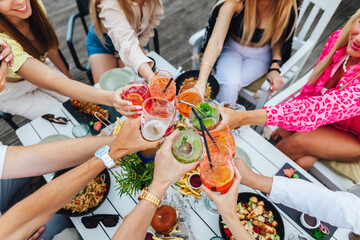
x=37, y=234
x=209, y=193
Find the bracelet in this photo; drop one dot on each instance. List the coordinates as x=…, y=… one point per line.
x=149, y=197
x=278, y=61
x=274, y=69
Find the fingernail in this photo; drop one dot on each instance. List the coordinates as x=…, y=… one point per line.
x=138, y=107
x=130, y=104
x=7, y=60
x=1, y=57
x=139, y=112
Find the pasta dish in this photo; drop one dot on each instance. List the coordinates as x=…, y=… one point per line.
x=90, y=196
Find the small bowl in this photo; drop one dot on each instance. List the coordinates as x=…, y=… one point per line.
x=81, y=130
x=192, y=175
x=305, y=224
x=150, y=234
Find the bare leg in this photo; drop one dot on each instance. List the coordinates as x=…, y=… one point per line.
x=325, y=142
x=100, y=63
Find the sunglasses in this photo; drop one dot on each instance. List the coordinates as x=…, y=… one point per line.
x=52, y=118
x=109, y=220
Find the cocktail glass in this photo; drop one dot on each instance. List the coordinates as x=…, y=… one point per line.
x=158, y=84
x=136, y=92
x=209, y=114
x=171, y=126
x=156, y=116
x=187, y=146
x=189, y=94
x=222, y=135
x=217, y=175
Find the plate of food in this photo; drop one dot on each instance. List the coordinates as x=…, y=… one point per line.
x=258, y=216
x=89, y=198
x=190, y=77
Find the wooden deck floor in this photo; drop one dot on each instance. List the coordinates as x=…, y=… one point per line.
x=182, y=18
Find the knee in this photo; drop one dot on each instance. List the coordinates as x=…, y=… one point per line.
x=297, y=142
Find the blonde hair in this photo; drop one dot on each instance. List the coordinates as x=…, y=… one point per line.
x=125, y=6
x=341, y=42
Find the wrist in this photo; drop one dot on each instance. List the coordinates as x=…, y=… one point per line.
x=230, y=218
x=157, y=189
x=116, y=153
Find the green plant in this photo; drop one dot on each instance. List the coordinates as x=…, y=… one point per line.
x=134, y=176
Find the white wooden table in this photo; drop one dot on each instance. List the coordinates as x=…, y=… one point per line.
x=266, y=160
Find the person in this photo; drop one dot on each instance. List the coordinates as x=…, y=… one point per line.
x=252, y=38
x=34, y=82
x=331, y=207
x=21, y=220
x=120, y=33
x=137, y=222
x=7, y=59
x=324, y=120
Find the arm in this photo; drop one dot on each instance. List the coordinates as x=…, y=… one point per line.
x=41, y=75
x=124, y=38
x=28, y=215
x=276, y=81
x=137, y=222
x=45, y=158
x=55, y=58
x=340, y=209
x=6, y=58
x=226, y=204
x=216, y=41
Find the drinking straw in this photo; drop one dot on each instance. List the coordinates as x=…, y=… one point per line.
x=192, y=105
x=204, y=137
x=168, y=84
x=202, y=124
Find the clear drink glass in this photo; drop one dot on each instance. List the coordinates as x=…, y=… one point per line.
x=223, y=135
x=156, y=116
x=136, y=92
x=210, y=109
x=158, y=84
x=189, y=94
x=217, y=175
x=187, y=146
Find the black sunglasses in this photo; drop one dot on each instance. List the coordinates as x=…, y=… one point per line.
x=52, y=118
x=109, y=220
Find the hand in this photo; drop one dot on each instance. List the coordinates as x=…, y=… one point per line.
x=167, y=169
x=230, y=117
x=6, y=53
x=37, y=234
x=247, y=175
x=130, y=140
x=144, y=50
x=276, y=81
x=200, y=87
x=226, y=203
x=124, y=107
x=280, y=134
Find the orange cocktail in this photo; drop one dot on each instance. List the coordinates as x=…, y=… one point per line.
x=136, y=92
x=222, y=135
x=159, y=83
x=218, y=175
x=187, y=93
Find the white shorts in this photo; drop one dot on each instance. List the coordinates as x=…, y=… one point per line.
x=238, y=66
x=28, y=100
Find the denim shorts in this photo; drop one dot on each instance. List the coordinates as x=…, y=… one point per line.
x=95, y=46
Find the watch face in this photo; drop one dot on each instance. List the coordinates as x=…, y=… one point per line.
x=103, y=150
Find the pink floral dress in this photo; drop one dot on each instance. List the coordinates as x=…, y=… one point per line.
x=311, y=109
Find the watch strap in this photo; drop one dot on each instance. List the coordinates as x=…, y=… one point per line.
x=145, y=195
x=108, y=161
x=274, y=69
x=278, y=61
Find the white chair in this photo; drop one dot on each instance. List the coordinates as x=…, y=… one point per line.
x=312, y=20
x=324, y=174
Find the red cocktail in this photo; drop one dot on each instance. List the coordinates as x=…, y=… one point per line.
x=159, y=83
x=136, y=92
x=217, y=175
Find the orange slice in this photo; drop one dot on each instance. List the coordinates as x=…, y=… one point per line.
x=222, y=175
x=135, y=96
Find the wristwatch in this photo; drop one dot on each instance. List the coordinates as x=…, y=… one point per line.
x=148, y=196
x=103, y=154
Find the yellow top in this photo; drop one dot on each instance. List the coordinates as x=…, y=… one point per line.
x=20, y=56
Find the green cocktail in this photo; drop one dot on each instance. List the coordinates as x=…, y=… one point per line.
x=187, y=146
x=209, y=114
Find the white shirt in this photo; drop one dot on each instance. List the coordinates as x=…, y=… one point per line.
x=126, y=39
x=341, y=209
x=3, y=149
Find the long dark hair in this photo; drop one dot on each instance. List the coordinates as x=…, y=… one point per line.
x=41, y=28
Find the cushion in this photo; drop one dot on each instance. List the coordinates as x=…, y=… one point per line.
x=348, y=170
x=253, y=87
